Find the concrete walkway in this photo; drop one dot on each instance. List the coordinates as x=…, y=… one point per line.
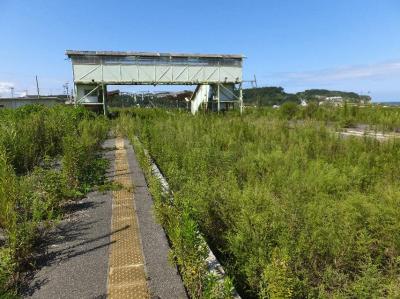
x=73, y=261
x=163, y=278
x=110, y=244
x=127, y=277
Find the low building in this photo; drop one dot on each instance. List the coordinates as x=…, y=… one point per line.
x=303, y=103
x=334, y=99
x=28, y=100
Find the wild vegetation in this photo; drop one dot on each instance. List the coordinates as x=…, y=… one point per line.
x=374, y=117
x=293, y=209
x=189, y=248
x=47, y=155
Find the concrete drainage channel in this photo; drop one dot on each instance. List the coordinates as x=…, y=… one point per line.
x=381, y=136
x=214, y=266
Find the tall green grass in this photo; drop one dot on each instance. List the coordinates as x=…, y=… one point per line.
x=47, y=155
x=293, y=209
x=374, y=116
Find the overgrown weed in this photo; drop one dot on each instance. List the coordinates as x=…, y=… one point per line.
x=294, y=210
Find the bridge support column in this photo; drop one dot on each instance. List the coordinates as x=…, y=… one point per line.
x=218, y=98
x=104, y=92
x=226, y=96
x=241, y=98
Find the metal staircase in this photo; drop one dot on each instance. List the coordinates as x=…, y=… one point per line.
x=201, y=95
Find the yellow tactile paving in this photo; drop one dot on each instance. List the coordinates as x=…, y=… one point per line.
x=126, y=278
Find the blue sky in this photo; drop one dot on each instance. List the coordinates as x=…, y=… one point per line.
x=338, y=44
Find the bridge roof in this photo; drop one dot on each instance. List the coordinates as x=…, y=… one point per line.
x=71, y=53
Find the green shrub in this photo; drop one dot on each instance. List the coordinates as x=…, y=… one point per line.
x=7, y=271
x=288, y=110
x=311, y=110
x=82, y=165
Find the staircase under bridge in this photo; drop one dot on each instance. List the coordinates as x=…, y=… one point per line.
x=216, y=97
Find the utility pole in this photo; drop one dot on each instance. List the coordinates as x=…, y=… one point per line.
x=255, y=81
x=258, y=95
x=66, y=89
x=12, y=92
x=37, y=87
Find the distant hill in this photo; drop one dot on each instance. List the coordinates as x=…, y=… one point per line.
x=268, y=96
x=321, y=94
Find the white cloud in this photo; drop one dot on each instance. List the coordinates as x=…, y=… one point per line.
x=379, y=80
x=22, y=93
x=5, y=88
x=363, y=72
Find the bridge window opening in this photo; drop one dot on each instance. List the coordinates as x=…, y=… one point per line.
x=179, y=61
x=138, y=60
x=145, y=96
x=89, y=59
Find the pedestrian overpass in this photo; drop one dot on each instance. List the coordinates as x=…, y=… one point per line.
x=218, y=77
